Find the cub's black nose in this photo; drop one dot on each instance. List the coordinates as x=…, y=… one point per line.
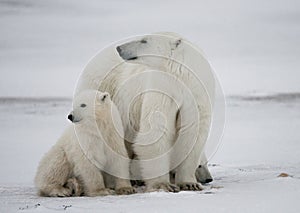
x=71, y=117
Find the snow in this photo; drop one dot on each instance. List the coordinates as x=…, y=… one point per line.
x=260, y=142
x=248, y=196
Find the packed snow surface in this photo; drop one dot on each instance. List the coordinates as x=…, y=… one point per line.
x=261, y=141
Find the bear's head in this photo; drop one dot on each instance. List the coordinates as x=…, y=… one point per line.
x=150, y=49
x=202, y=174
x=90, y=105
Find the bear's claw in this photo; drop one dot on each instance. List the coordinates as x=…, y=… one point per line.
x=125, y=191
x=190, y=186
x=167, y=187
x=101, y=192
x=60, y=192
x=75, y=186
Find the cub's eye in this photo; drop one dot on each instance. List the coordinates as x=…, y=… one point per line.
x=103, y=98
x=83, y=105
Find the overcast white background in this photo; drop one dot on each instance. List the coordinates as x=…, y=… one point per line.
x=253, y=45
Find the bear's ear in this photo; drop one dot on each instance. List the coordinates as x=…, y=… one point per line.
x=103, y=96
x=176, y=43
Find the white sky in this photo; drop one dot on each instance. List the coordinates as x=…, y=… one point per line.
x=253, y=45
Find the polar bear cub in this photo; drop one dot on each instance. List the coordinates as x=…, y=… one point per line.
x=68, y=168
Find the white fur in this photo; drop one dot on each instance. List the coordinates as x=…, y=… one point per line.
x=141, y=121
x=68, y=168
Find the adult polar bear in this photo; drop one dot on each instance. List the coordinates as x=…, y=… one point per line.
x=153, y=73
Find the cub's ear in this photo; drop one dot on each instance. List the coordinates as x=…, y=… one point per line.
x=104, y=96
x=176, y=43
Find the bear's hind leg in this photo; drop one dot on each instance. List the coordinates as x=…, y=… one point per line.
x=193, y=133
x=53, y=173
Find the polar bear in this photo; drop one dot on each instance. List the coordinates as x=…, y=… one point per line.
x=177, y=57
x=67, y=168
x=172, y=118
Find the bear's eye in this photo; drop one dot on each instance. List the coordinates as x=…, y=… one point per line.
x=83, y=105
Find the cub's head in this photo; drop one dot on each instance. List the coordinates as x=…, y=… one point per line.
x=89, y=106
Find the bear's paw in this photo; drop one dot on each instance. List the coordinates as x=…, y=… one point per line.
x=125, y=191
x=167, y=187
x=190, y=186
x=101, y=192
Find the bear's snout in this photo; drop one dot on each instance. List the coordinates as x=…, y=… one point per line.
x=71, y=117
x=119, y=50
x=125, y=54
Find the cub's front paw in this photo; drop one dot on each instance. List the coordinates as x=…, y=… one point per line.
x=190, y=186
x=60, y=192
x=101, y=192
x=167, y=187
x=125, y=191
x=75, y=186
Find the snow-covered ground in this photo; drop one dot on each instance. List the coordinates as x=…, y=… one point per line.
x=261, y=141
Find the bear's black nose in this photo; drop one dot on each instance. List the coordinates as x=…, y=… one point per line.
x=71, y=117
x=208, y=180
